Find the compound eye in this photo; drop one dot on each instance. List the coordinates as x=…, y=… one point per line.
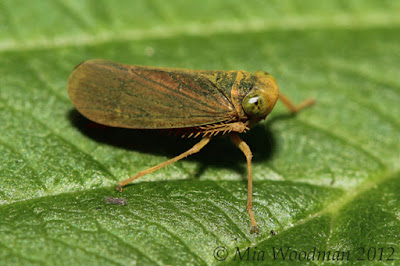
x=256, y=103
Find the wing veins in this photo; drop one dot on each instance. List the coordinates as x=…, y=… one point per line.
x=183, y=95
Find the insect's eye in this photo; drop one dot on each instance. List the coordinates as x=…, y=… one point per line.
x=256, y=103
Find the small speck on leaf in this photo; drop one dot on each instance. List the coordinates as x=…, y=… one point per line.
x=115, y=201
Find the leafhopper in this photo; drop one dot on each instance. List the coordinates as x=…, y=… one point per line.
x=195, y=103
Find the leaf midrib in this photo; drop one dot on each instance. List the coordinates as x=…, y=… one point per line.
x=312, y=21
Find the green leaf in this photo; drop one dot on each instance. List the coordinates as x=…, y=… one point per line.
x=325, y=180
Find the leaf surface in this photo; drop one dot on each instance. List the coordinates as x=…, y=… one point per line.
x=326, y=179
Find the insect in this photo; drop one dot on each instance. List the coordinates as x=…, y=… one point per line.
x=196, y=103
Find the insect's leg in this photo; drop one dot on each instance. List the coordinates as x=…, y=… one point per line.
x=292, y=107
x=196, y=148
x=247, y=152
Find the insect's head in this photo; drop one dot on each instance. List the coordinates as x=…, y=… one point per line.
x=261, y=99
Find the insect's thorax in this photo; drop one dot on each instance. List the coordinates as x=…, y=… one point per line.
x=236, y=85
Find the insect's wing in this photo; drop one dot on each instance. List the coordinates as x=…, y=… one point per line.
x=127, y=96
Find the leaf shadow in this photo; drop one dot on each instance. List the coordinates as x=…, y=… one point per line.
x=220, y=152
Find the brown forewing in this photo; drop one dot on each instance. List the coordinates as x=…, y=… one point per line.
x=127, y=96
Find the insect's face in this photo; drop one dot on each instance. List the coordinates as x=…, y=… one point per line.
x=261, y=99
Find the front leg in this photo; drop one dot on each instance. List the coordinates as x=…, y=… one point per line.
x=292, y=107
